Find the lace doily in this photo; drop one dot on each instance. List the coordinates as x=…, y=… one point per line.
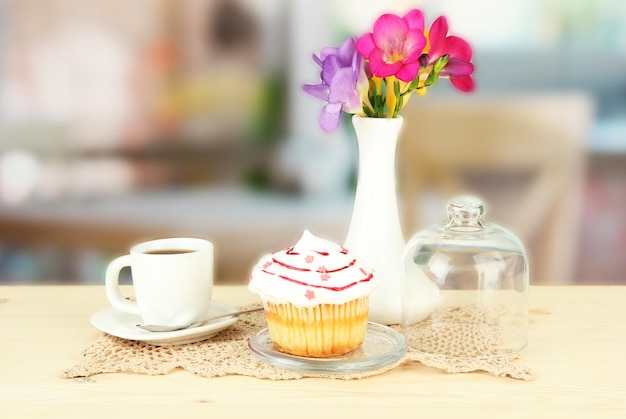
x=227, y=353
x=465, y=339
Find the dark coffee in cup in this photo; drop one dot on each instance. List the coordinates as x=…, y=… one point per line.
x=168, y=251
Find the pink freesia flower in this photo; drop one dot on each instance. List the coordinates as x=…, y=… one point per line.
x=459, y=68
x=393, y=49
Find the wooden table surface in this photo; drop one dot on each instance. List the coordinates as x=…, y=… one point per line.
x=577, y=352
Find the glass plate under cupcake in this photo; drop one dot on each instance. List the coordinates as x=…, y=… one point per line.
x=382, y=346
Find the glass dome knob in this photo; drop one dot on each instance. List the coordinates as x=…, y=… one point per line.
x=466, y=211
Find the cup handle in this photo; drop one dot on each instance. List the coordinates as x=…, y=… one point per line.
x=112, y=285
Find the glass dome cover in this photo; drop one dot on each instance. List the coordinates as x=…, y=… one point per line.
x=476, y=275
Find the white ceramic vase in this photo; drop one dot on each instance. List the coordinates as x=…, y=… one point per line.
x=375, y=232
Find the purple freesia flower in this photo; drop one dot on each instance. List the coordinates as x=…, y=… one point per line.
x=344, y=83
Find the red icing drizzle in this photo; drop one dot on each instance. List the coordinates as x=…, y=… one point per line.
x=341, y=269
x=320, y=270
x=291, y=252
x=285, y=265
x=345, y=287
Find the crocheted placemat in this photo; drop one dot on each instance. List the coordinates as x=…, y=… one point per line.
x=227, y=353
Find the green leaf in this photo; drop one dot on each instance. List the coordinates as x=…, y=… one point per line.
x=432, y=78
x=379, y=105
x=375, y=100
x=399, y=106
x=441, y=62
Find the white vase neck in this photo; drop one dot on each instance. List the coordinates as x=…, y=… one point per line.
x=390, y=127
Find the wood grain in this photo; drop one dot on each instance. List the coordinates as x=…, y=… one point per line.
x=576, y=350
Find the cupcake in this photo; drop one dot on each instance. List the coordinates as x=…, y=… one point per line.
x=316, y=297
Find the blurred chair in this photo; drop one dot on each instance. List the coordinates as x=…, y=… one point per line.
x=524, y=155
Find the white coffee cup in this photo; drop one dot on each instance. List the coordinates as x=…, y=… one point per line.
x=172, y=280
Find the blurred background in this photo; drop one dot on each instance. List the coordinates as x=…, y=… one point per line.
x=123, y=121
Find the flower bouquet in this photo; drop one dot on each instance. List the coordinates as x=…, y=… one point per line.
x=375, y=75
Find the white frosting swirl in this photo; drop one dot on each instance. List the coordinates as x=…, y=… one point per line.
x=314, y=271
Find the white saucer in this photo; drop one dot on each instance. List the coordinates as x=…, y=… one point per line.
x=124, y=325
